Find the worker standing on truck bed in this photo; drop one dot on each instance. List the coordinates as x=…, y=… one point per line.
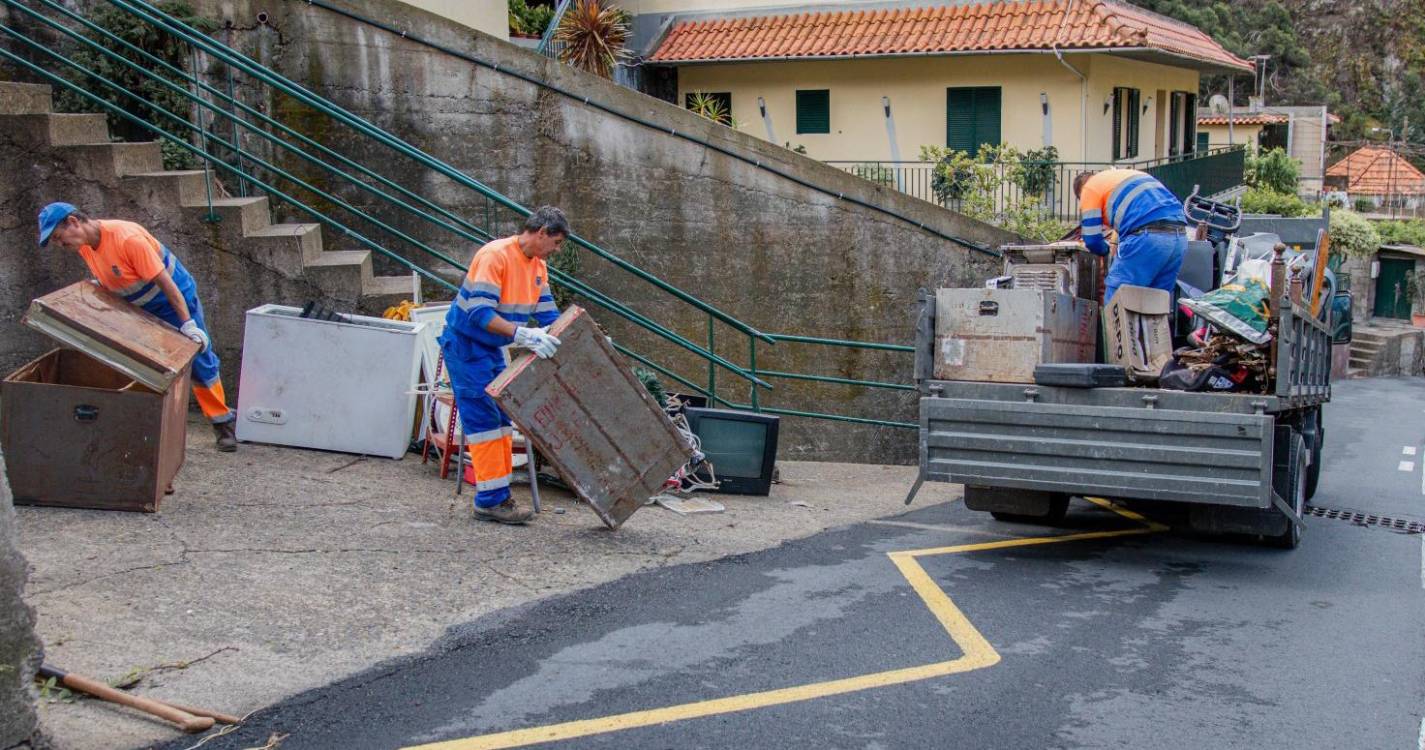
x=1148, y=219
x=507, y=284
x=125, y=259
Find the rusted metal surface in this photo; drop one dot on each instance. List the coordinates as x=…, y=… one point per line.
x=591, y=418
x=1000, y=335
x=86, y=317
x=78, y=433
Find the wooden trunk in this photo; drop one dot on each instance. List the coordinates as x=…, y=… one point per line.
x=592, y=419
x=77, y=433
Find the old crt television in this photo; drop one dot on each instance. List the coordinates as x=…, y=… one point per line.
x=741, y=445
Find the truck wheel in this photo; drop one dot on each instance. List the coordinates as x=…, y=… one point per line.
x=1058, y=507
x=1315, y=436
x=1290, y=483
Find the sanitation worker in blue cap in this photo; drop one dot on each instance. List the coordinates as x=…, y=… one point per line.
x=125, y=259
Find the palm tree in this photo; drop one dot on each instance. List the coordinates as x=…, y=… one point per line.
x=593, y=35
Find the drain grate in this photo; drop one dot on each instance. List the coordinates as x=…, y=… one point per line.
x=1368, y=519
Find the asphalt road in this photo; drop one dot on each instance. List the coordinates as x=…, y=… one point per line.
x=1162, y=639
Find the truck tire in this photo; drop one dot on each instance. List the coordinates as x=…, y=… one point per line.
x=1058, y=508
x=1289, y=481
x=1315, y=434
x=1018, y=506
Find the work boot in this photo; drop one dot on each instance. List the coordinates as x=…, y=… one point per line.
x=507, y=512
x=227, y=436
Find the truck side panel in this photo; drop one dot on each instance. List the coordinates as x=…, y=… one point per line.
x=1133, y=453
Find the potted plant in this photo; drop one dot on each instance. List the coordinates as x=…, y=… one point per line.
x=1415, y=287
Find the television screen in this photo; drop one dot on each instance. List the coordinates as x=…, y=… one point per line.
x=742, y=447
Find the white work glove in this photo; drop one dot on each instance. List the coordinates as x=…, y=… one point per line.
x=191, y=330
x=537, y=340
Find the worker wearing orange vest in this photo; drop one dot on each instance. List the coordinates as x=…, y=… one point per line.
x=1149, y=220
x=506, y=286
x=125, y=259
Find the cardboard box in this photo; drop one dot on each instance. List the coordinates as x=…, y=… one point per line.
x=1136, y=329
x=592, y=419
x=1001, y=335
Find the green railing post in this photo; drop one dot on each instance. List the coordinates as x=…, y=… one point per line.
x=752, y=368
x=712, y=370
x=212, y=217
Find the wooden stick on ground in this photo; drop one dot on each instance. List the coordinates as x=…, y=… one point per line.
x=185, y=721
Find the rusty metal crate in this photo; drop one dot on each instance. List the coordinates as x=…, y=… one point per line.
x=592, y=419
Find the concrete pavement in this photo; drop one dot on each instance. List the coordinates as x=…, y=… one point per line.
x=273, y=571
x=1128, y=640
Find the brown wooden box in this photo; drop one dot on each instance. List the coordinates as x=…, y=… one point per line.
x=77, y=433
x=589, y=416
x=100, y=424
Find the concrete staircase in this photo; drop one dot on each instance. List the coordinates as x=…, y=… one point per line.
x=1386, y=348
x=294, y=250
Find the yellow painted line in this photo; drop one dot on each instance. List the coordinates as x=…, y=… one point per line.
x=977, y=653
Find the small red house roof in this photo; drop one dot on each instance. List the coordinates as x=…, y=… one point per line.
x=1371, y=170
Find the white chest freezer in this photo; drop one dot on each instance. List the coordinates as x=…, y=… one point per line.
x=340, y=386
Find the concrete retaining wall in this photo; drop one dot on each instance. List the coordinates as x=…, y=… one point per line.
x=781, y=256
x=19, y=648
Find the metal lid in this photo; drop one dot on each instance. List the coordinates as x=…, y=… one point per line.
x=99, y=323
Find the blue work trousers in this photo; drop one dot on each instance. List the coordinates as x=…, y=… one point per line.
x=487, y=430
x=1150, y=259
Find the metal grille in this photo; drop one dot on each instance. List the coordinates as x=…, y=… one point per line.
x=1368, y=519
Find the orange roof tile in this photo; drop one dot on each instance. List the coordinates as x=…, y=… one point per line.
x=1004, y=26
x=1378, y=171
x=1258, y=118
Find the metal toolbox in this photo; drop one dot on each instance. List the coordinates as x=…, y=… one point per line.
x=340, y=385
x=104, y=427
x=1001, y=335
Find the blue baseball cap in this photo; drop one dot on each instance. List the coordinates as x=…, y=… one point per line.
x=51, y=216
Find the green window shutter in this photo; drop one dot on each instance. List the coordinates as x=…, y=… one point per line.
x=1202, y=144
x=972, y=117
x=814, y=111
x=1135, y=111
x=1190, y=122
x=1118, y=104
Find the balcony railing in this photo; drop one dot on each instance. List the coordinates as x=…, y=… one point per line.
x=1049, y=184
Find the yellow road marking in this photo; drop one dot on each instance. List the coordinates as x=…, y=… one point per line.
x=977, y=654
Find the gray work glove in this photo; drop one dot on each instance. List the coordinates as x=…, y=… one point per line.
x=191, y=330
x=537, y=340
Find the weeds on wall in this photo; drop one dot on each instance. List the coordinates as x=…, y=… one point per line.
x=155, y=95
x=593, y=36
x=999, y=185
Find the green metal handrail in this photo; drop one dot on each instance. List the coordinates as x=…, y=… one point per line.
x=223, y=106
x=456, y=225
x=192, y=36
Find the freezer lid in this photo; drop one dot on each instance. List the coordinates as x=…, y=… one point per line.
x=99, y=323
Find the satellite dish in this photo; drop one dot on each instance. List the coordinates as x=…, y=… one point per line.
x=1219, y=104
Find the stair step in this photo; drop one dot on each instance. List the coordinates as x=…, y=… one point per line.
x=244, y=215
x=106, y=161
x=344, y=274
x=25, y=98
x=180, y=187
x=1365, y=349
x=383, y=286
x=1352, y=373
x=306, y=237
x=289, y=248
x=59, y=129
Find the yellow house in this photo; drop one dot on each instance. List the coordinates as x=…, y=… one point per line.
x=1301, y=130
x=489, y=16
x=1101, y=82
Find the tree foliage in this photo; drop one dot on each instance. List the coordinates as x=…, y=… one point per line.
x=1366, y=61
x=1273, y=170
x=149, y=88
x=1261, y=201
x=982, y=187
x=1353, y=235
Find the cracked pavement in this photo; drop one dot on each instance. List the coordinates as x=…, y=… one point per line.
x=275, y=570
